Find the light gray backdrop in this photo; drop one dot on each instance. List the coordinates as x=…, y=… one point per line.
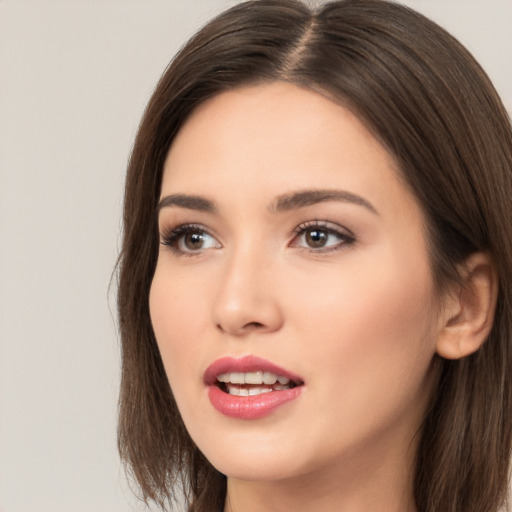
x=74, y=78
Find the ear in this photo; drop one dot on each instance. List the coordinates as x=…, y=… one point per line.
x=469, y=308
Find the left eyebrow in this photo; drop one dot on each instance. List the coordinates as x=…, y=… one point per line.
x=303, y=198
x=189, y=202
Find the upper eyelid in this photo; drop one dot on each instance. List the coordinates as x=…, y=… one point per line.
x=171, y=237
x=325, y=224
x=182, y=226
x=345, y=236
x=303, y=225
x=335, y=228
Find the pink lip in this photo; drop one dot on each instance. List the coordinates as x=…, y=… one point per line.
x=248, y=407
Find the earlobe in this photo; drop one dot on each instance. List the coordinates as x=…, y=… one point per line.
x=469, y=309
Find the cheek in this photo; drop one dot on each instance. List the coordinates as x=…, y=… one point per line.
x=372, y=332
x=175, y=313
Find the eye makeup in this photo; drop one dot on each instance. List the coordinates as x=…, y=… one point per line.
x=317, y=236
x=188, y=239
x=322, y=236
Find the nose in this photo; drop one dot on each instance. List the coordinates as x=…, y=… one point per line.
x=247, y=298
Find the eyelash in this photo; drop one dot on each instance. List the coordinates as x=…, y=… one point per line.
x=172, y=237
x=345, y=236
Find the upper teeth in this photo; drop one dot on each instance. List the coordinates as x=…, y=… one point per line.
x=252, y=378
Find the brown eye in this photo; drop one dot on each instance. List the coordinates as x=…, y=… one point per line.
x=322, y=236
x=189, y=239
x=316, y=238
x=193, y=241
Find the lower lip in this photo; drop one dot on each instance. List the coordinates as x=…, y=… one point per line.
x=250, y=407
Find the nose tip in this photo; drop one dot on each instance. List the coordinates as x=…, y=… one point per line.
x=246, y=318
x=246, y=304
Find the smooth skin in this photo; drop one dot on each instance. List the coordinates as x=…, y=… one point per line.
x=339, y=291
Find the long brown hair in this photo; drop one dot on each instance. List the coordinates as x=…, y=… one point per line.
x=427, y=100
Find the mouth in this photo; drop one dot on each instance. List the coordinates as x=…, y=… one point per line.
x=253, y=383
x=250, y=387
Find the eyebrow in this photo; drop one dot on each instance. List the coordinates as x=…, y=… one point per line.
x=283, y=203
x=304, y=198
x=189, y=202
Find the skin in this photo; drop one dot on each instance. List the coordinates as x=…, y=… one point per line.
x=357, y=320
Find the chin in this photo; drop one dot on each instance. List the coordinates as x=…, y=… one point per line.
x=257, y=469
x=263, y=456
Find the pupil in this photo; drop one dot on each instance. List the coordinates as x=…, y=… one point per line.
x=316, y=238
x=194, y=240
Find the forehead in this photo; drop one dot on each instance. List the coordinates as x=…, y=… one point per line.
x=255, y=113
x=266, y=139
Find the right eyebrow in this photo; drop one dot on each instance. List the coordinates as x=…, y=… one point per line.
x=190, y=202
x=304, y=198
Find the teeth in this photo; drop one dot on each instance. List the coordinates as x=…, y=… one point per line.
x=237, y=378
x=254, y=378
x=236, y=391
x=259, y=377
x=269, y=378
x=259, y=391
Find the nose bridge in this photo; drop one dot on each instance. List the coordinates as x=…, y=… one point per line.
x=246, y=298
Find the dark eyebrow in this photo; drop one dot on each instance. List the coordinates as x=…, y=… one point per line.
x=190, y=202
x=305, y=198
x=283, y=203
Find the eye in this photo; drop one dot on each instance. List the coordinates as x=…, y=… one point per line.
x=189, y=239
x=322, y=236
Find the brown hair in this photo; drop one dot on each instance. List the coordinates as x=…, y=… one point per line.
x=427, y=100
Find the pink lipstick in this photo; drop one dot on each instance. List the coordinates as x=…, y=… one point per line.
x=249, y=387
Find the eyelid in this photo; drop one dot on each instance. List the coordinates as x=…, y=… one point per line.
x=326, y=224
x=345, y=235
x=171, y=236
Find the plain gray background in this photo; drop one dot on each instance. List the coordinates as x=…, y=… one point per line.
x=74, y=79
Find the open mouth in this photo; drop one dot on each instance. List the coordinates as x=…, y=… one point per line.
x=250, y=387
x=253, y=383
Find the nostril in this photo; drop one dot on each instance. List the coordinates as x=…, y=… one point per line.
x=250, y=326
x=253, y=325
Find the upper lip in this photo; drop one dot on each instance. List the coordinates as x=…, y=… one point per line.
x=243, y=365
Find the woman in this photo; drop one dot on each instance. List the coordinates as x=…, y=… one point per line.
x=314, y=290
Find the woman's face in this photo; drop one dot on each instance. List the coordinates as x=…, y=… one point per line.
x=292, y=250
